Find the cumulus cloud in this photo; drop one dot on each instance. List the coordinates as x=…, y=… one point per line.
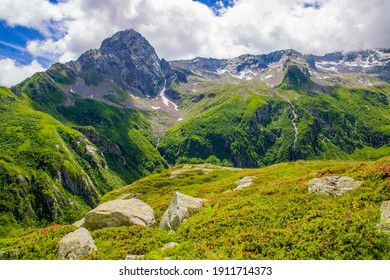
x=185, y=29
x=11, y=73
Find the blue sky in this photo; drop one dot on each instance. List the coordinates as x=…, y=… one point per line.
x=36, y=33
x=13, y=39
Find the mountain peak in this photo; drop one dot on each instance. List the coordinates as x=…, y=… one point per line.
x=125, y=39
x=126, y=59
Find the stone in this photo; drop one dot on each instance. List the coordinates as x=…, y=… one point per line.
x=120, y=212
x=135, y=257
x=79, y=223
x=76, y=245
x=384, y=223
x=244, y=182
x=333, y=185
x=169, y=246
x=180, y=208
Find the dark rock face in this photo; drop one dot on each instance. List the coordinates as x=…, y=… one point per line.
x=366, y=61
x=104, y=144
x=81, y=186
x=129, y=60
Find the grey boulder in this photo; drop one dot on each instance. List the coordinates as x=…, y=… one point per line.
x=180, y=208
x=120, y=212
x=244, y=182
x=76, y=245
x=333, y=185
x=79, y=223
x=384, y=223
x=169, y=246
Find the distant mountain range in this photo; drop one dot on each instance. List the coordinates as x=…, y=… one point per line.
x=118, y=113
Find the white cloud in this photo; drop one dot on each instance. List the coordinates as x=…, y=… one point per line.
x=11, y=73
x=185, y=29
x=38, y=14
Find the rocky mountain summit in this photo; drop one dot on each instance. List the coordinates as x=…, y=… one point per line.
x=125, y=60
x=120, y=113
x=269, y=69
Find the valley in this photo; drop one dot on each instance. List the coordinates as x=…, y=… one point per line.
x=120, y=121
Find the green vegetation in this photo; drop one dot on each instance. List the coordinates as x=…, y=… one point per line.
x=62, y=154
x=251, y=127
x=275, y=218
x=48, y=171
x=128, y=129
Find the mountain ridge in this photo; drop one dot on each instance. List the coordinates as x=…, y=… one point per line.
x=139, y=113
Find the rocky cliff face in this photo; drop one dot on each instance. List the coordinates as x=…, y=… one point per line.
x=128, y=60
x=269, y=69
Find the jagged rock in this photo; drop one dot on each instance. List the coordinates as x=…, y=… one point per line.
x=385, y=217
x=120, y=212
x=169, y=246
x=179, y=209
x=79, y=223
x=244, y=182
x=128, y=59
x=78, y=185
x=135, y=257
x=333, y=185
x=103, y=143
x=76, y=245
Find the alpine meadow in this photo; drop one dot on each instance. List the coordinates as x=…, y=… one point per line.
x=123, y=155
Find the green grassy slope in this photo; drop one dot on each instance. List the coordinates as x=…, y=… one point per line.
x=48, y=171
x=275, y=218
x=249, y=126
x=134, y=155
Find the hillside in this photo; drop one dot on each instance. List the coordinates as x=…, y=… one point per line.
x=274, y=218
x=49, y=172
x=71, y=137
x=248, y=126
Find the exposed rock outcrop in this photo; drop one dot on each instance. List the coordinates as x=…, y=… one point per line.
x=169, y=246
x=76, y=245
x=78, y=184
x=120, y=212
x=333, y=185
x=103, y=143
x=244, y=182
x=180, y=208
x=79, y=223
x=135, y=257
x=126, y=58
x=384, y=223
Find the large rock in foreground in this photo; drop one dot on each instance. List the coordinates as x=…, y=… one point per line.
x=76, y=245
x=385, y=217
x=120, y=212
x=180, y=208
x=333, y=185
